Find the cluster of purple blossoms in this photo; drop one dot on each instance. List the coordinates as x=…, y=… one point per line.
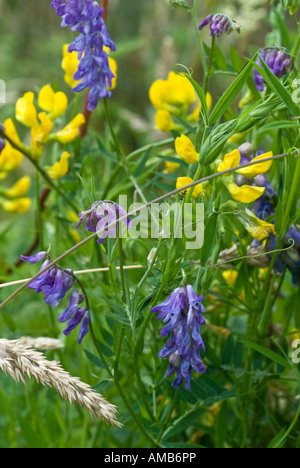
x=102, y=214
x=183, y=311
x=278, y=60
x=55, y=283
x=220, y=24
x=85, y=17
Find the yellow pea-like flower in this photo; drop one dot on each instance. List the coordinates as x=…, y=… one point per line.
x=114, y=68
x=258, y=228
x=61, y=168
x=163, y=120
x=181, y=91
x=257, y=169
x=246, y=193
x=20, y=188
x=18, y=206
x=183, y=181
x=171, y=167
x=54, y=103
x=230, y=161
x=186, y=150
x=70, y=65
x=158, y=92
x=230, y=277
x=10, y=158
x=71, y=131
x=40, y=134
x=25, y=110
x=175, y=91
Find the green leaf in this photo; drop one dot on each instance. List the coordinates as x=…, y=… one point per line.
x=143, y=162
x=202, y=97
x=94, y=360
x=230, y=94
x=220, y=59
x=236, y=60
x=270, y=355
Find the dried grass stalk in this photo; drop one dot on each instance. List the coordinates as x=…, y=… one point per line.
x=41, y=343
x=19, y=361
x=256, y=256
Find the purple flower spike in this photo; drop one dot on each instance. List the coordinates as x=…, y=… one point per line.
x=278, y=60
x=220, y=24
x=85, y=18
x=39, y=257
x=81, y=316
x=183, y=311
x=76, y=299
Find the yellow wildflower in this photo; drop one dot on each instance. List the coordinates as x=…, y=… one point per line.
x=171, y=167
x=25, y=110
x=70, y=65
x=20, y=188
x=71, y=131
x=54, y=103
x=258, y=228
x=61, y=168
x=114, y=68
x=163, y=120
x=230, y=161
x=183, y=181
x=10, y=158
x=186, y=150
x=40, y=134
x=175, y=91
x=230, y=277
x=253, y=171
x=18, y=206
x=246, y=193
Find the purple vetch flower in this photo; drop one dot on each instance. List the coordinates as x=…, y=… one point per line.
x=100, y=215
x=55, y=283
x=82, y=316
x=278, y=60
x=182, y=313
x=39, y=257
x=85, y=18
x=220, y=24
